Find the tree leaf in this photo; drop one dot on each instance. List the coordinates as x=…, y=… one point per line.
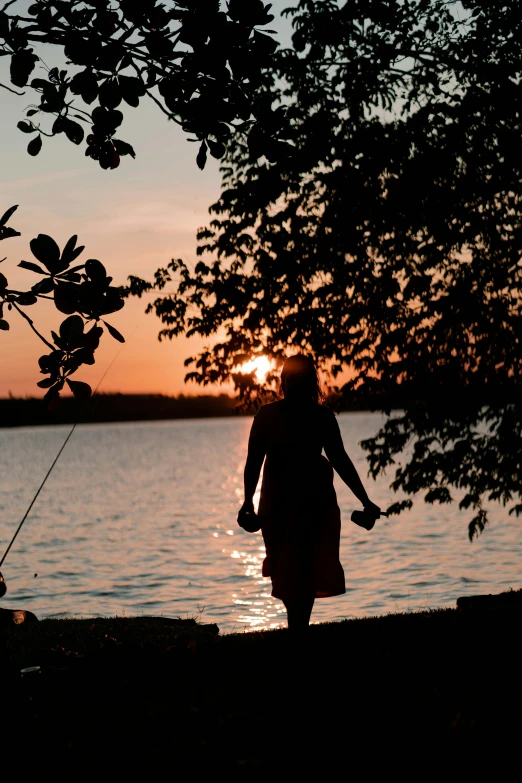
x=5, y=233
x=107, y=119
x=71, y=329
x=4, y=325
x=91, y=339
x=114, y=333
x=217, y=148
x=4, y=24
x=46, y=383
x=74, y=255
x=39, y=84
x=84, y=356
x=50, y=363
x=132, y=89
x=69, y=253
x=35, y=145
x=109, y=94
x=22, y=64
x=122, y=148
x=86, y=85
x=52, y=395
x=112, y=301
x=201, y=158
x=32, y=267
x=5, y=217
x=58, y=125
x=71, y=274
x=45, y=249
x=44, y=286
x=80, y=389
x=26, y=299
x=26, y=127
x=73, y=131
x=95, y=270
x=66, y=298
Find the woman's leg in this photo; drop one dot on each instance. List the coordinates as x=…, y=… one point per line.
x=299, y=613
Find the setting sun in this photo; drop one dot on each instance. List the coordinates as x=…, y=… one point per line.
x=261, y=365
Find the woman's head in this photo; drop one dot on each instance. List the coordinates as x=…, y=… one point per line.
x=299, y=380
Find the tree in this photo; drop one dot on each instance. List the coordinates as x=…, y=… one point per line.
x=387, y=243
x=83, y=292
x=200, y=65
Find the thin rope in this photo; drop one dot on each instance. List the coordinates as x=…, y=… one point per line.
x=64, y=444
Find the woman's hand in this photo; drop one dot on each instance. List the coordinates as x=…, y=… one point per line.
x=248, y=519
x=246, y=508
x=372, y=509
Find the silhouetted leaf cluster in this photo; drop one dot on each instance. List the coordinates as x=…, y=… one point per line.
x=388, y=244
x=201, y=64
x=83, y=292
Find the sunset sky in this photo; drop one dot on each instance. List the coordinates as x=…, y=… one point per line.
x=133, y=219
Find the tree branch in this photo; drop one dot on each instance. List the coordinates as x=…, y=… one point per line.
x=31, y=324
x=19, y=293
x=22, y=18
x=11, y=90
x=168, y=113
x=126, y=34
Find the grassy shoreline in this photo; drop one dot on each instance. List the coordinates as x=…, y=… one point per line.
x=445, y=680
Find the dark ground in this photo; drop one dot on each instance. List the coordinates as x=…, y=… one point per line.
x=417, y=695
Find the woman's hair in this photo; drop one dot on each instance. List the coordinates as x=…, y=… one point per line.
x=299, y=380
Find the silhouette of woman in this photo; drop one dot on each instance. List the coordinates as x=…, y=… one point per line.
x=298, y=510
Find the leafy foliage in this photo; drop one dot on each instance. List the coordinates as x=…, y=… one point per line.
x=388, y=243
x=201, y=65
x=83, y=292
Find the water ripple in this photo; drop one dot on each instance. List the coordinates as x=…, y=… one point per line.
x=141, y=517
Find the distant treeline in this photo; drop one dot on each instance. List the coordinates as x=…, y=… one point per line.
x=31, y=411
x=24, y=412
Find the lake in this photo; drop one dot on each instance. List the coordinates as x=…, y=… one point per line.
x=140, y=518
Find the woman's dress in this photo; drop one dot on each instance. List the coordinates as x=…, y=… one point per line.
x=300, y=517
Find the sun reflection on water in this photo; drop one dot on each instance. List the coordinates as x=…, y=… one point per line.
x=259, y=610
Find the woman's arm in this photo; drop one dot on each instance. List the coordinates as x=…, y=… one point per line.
x=341, y=462
x=254, y=463
x=253, y=467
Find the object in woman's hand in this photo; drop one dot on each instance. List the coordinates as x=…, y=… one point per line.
x=364, y=518
x=249, y=521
